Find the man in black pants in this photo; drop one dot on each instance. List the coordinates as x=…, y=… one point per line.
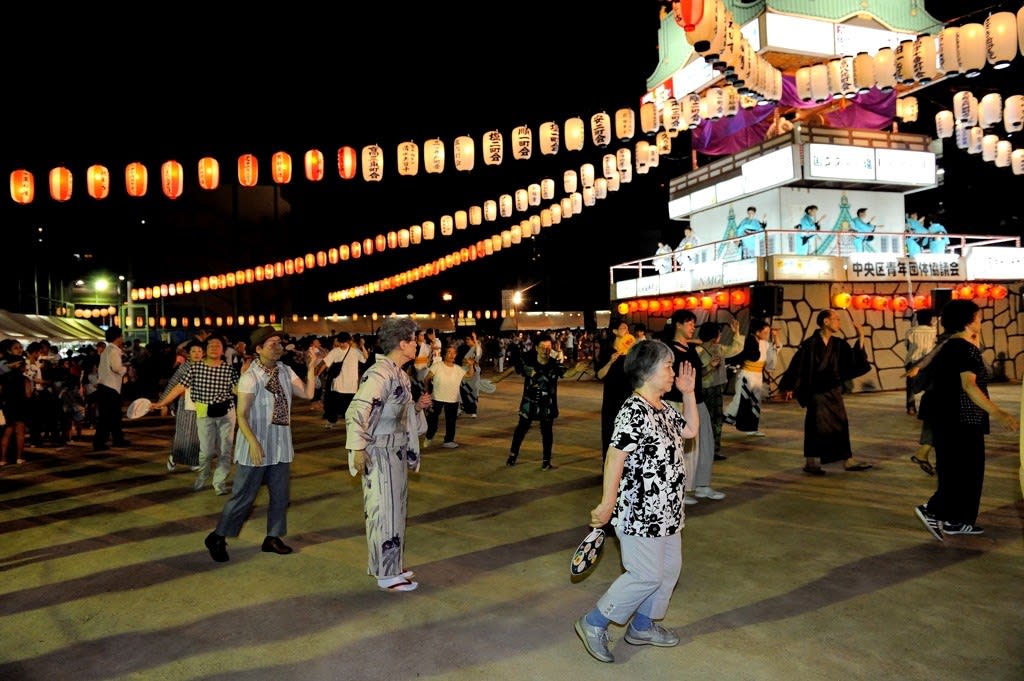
x=108, y=392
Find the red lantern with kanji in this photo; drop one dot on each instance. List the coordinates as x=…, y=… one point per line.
x=314, y=165
x=60, y=184
x=281, y=167
x=97, y=181
x=136, y=179
x=23, y=186
x=347, y=163
x=248, y=170
x=209, y=173
x=171, y=179
x=688, y=13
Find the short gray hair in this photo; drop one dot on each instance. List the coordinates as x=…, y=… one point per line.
x=645, y=358
x=393, y=331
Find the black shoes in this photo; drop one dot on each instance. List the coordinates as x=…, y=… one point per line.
x=546, y=466
x=720, y=457
x=814, y=470
x=511, y=461
x=218, y=547
x=275, y=545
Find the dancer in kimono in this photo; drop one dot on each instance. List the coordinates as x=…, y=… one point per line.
x=685, y=259
x=663, y=258
x=750, y=229
x=917, y=235
x=864, y=227
x=807, y=239
x=382, y=427
x=759, y=355
x=938, y=242
x=816, y=375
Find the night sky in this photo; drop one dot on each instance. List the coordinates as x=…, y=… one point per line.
x=186, y=85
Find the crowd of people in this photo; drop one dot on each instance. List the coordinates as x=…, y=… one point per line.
x=662, y=414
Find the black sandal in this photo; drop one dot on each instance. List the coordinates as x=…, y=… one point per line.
x=925, y=465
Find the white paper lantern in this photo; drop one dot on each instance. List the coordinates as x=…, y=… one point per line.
x=428, y=230
x=975, y=140
x=490, y=210
x=671, y=114
x=1000, y=39
x=1020, y=33
x=433, y=156
x=608, y=167
x=648, y=118
x=533, y=193
x=415, y=234
x=505, y=204
x=464, y=151
x=885, y=69
x=689, y=107
x=907, y=108
x=653, y=157
x=526, y=226
x=574, y=131
x=545, y=217
x=577, y=203
x=840, y=78
x=819, y=83
x=663, y=143
x=1017, y=160
x=963, y=135
x=641, y=156
x=714, y=103
x=496, y=242
x=566, y=204
x=588, y=197
x=803, y=83
x=902, y=63
x=493, y=148
x=515, y=233
x=971, y=49
x=626, y=174
x=547, y=189
x=550, y=137
x=732, y=98
x=1013, y=113
x=403, y=238
x=506, y=238
x=965, y=108
x=587, y=175
x=409, y=159
x=623, y=159
x=556, y=213
x=1004, y=150
x=863, y=72
x=476, y=215
x=522, y=199
x=601, y=129
x=613, y=183
x=373, y=163
x=924, y=63
x=535, y=223
x=522, y=143
x=948, y=55
x=944, y=124
x=447, y=225
x=625, y=124
x=569, y=181
x=988, y=147
x=600, y=188
x=705, y=30
x=990, y=109
x=461, y=219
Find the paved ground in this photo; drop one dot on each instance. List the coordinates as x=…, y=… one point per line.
x=790, y=577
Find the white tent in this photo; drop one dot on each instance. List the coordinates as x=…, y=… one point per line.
x=33, y=327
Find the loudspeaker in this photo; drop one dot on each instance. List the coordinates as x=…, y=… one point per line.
x=765, y=301
x=940, y=296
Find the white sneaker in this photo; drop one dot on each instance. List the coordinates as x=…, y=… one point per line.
x=689, y=500
x=472, y=416
x=170, y=463
x=450, y=445
x=756, y=433
x=328, y=426
x=708, y=493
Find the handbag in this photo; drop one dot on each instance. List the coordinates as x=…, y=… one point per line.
x=218, y=409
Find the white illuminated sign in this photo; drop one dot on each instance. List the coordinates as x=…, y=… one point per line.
x=625, y=289
x=730, y=189
x=889, y=267
x=673, y=282
x=769, y=170
x=994, y=262
x=740, y=271
x=904, y=166
x=693, y=77
x=797, y=34
x=851, y=39
x=802, y=267
x=702, y=198
x=679, y=207
x=648, y=286
x=707, y=275
x=838, y=162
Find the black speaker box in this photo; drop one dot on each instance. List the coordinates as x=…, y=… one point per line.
x=940, y=296
x=765, y=301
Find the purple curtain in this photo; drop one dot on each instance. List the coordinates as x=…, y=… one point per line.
x=873, y=110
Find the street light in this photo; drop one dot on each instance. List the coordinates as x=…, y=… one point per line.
x=517, y=300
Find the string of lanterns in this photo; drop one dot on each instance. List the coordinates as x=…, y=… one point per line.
x=664, y=307
x=899, y=303
x=972, y=123
x=210, y=321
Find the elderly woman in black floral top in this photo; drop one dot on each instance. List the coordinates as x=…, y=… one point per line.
x=643, y=498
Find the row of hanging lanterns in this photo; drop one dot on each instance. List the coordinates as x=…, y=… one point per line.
x=972, y=124
x=163, y=322
x=954, y=51
x=371, y=159
x=899, y=303
x=704, y=301
x=582, y=187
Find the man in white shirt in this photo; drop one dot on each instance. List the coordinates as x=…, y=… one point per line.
x=108, y=393
x=424, y=357
x=341, y=369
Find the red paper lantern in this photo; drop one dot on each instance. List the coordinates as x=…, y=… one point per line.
x=688, y=13
x=900, y=304
x=722, y=298
x=999, y=292
x=739, y=297
x=314, y=165
x=655, y=306
x=692, y=302
x=248, y=170
x=861, y=302
x=919, y=303
x=60, y=184
x=136, y=179
x=842, y=300
x=983, y=290
x=171, y=179
x=966, y=292
x=97, y=181
x=23, y=186
x=679, y=303
x=633, y=306
x=642, y=305
x=209, y=173
x=347, y=163
x=880, y=303
x=281, y=167
x=300, y=265
x=706, y=302
x=321, y=259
